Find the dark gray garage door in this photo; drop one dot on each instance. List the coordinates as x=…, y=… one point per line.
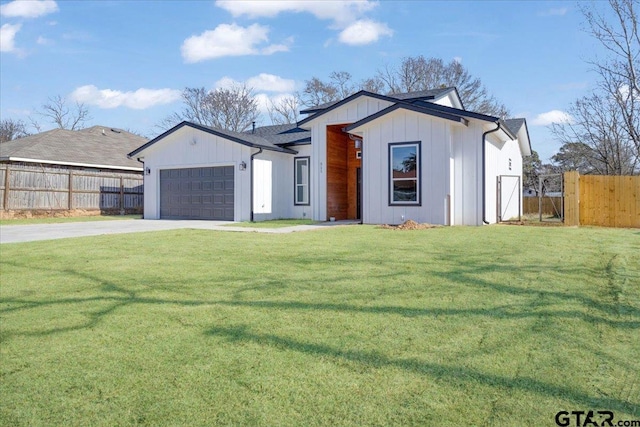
x=197, y=193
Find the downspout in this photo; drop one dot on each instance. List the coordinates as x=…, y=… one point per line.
x=251, y=178
x=484, y=175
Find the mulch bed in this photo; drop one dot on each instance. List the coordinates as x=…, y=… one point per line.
x=409, y=225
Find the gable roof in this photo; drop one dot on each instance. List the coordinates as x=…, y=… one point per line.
x=250, y=139
x=519, y=127
x=98, y=146
x=416, y=95
x=458, y=118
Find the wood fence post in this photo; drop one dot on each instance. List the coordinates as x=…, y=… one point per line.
x=121, y=196
x=572, y=198
x=5, y=201
x=70, y=186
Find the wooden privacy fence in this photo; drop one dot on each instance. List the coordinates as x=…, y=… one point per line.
x=609, y=201
x=550, y=205
x=34, y=188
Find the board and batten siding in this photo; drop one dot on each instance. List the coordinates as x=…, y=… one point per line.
x=191, y=148
x=498, y=156
x=400, y=126
x=274, y=184
x=346, y=114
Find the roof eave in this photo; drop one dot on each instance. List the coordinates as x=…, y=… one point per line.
x=63, y=163
x=410, y=107
x=210, y=131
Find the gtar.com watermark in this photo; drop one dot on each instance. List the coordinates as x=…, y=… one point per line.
x=592, y=418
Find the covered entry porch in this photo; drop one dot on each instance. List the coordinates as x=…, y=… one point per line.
x=344, y=174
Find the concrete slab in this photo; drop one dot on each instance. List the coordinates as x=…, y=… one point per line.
x=35, y=232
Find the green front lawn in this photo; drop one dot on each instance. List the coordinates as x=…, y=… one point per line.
x=274, y=223
x=452, y=326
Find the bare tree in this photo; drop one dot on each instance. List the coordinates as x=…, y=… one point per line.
x=12, y=129
x=599, y=127
x=372, y=84
x=341, y=80
x=317, y=92
x=233, y=108
x=620, y=70
x=419, y=73
x=411, y=75
x=606, y=123
x=58, y=112
x=284, y=110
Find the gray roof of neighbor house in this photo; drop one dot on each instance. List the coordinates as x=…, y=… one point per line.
x=417, y=95
x=260, y=138
x=98, y=146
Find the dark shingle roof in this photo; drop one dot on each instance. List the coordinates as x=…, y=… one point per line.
x=249, y=138
x=289, y=134
x=417, y=95
x=97, y=146
x=514, y=125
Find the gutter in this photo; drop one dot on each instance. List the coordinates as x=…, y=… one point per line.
x=484, y=175
x=251, y=183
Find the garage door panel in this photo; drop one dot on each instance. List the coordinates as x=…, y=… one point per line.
x=197, y=193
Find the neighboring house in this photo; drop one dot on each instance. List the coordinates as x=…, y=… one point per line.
x=376, y=158
x=62, y=170
x=97, y=148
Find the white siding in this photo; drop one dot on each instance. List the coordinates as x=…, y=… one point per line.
x=346, y=114
x=282, y=202
x=191, y=148
x=498, y=157
x=262, y=186
x=467, y=173
x=406, y=126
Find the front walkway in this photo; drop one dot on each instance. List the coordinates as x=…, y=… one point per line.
x=34, y=232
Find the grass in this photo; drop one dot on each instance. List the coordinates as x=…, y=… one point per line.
x=275, y=223
x=499, y=325
x=54, y=220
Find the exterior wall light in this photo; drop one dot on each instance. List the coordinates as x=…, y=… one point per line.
x=147, y=171
x=242, y=166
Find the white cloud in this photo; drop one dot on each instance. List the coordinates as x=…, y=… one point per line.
x=458, y=59
x=226, y=83
x=346, y=15
x=271, y=83
x=550, y=117
x=340, y=11
x=229, y=40
x=8, y=36
x=364, y=32
x=263, y=82
x=560, y=11
x=28, y=8
x=264, y=100
x=139, y=100
x=44, y=41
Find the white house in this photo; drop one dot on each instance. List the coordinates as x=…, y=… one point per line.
x=380, y=159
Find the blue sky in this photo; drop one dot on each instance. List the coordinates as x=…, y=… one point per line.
x=128, y=61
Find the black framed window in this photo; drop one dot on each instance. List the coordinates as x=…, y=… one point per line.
x=302, y=176
x=404, y=173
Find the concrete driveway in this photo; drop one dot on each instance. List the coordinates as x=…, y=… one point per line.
x=33, y=232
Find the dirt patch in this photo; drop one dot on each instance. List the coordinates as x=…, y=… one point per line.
x=534, y=223
x=409, y=225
